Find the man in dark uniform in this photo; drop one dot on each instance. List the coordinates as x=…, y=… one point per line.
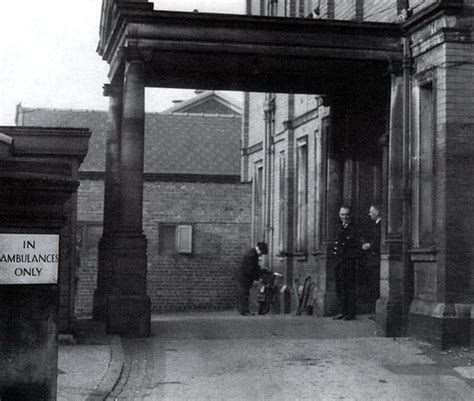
x=346, y=251
x=372, y=248
x=249, y=272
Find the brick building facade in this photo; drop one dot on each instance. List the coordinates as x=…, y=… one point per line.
x=196, y=212
x=403, y=139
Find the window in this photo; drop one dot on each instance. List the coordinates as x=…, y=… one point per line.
x=174, y=239
x=423, y=165
x=258, y=228
x=318, y=185
x=302, y=195
x=282, y=207
x=272, y=8
x=270, y=109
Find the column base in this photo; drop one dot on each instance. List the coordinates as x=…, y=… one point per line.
x=120, y=299
x=108, y=247
x=325, y=301
x=129, y=315
x=99, y=310
x=444, y=325
x=389, y=309
x=389, y=318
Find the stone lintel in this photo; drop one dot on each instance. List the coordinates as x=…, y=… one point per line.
x=192, y=49
x=5, y=145
x=49, y=142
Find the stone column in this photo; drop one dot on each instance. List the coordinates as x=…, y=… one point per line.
x=335, y=169
x=111, y=199
x=390, y=304
x=128, y=309
x=442, y=310
x=333, y=183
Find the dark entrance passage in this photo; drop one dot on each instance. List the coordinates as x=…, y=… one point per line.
x=147, y=48
x=361, y=126
x=357, y=143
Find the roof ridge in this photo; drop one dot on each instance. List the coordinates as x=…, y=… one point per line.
x=213, y=115
x=31, y=109
x=204, y=97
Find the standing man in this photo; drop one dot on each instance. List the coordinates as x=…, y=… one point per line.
x=346, y=251
x=372, y=247
x=249, y=272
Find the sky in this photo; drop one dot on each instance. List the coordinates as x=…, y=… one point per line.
x=48, y=54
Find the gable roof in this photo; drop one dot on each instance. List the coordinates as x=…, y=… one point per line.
x=174, y=143
x=208, y=102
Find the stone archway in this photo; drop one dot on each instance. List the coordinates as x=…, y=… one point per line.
x=147, y=48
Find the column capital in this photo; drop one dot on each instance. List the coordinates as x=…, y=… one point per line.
x=395, y=67
x=133, y=54
x=112, y=90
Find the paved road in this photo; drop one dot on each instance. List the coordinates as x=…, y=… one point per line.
x=228, y=357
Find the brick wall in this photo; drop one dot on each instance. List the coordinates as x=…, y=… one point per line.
x=203, y=280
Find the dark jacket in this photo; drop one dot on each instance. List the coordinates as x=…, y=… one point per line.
x=249, y=269
x=373, y=253
x=348, y=243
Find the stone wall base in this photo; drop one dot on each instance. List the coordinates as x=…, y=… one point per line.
x=444, y=325
x=28, y=338
x=107, y=252
x=100, y=306
x=325, y=303
x=129, y=315
x=389, y=321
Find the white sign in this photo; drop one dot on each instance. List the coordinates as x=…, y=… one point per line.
x=29, y=258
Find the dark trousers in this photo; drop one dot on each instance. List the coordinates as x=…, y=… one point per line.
x=243, y=294
x=374, y=283
x=346, y=287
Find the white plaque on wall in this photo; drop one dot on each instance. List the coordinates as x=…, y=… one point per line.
x=29, y=258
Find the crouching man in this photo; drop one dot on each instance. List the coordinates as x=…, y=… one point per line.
x=248, y=272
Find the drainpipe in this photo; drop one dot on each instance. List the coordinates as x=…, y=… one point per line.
x=267, y=198
x=408, y=274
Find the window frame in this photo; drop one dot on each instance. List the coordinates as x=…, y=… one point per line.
x=272, y=8
x=423, y=160
x=179, y=248
x=258, y=228
x=283, y=203
x=302, y=194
